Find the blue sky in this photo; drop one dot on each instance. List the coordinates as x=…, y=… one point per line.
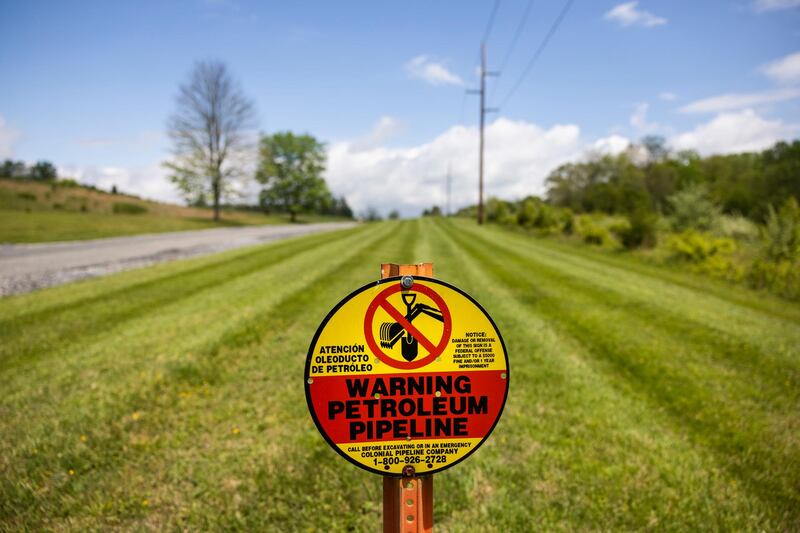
x=89, y=85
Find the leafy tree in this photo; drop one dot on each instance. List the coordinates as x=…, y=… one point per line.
x=371, y=215
x=209, y=134
x=656, y=147
x=641, y=230
x=13, y=169
x=781, y=173
x=43, y=171
x=337, y=207
x=394, y=214
x=693, y=209
x=290, y=170
x=608, y=184
x=782, y=231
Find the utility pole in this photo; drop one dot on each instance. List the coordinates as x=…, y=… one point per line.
x=482, y=111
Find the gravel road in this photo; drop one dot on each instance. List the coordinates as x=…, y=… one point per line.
x=27, y=267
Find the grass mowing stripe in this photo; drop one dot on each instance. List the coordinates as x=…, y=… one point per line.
x=221, y=439
x=775, y=360
x=339, y=493
x=79, y=319
x=716, y=422
x=738, y=318
x=727, y=292
x=154, y=392
x=253, y=257
x=144, y=338
x=81, y=293
x=569, y=435
x=240, y=365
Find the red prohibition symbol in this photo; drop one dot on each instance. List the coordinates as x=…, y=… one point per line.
x=403, y=331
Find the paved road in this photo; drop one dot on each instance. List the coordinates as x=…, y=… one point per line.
x=26, y=267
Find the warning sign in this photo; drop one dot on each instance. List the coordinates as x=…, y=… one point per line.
x=406, y=377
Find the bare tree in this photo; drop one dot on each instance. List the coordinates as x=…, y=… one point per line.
x=209, y=130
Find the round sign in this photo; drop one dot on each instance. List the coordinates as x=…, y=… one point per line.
x=406, y=377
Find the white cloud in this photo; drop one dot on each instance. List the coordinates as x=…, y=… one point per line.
x=774, y=5
x=147, y=181
x=742, y=131
x=627, y=15
x=422, y=67
x=612, y=145
x=668, y=96
x=8, y=137
x=639, y=119
x=519, y=156
x=784, y=70
x=726, y=102
x=386, y=128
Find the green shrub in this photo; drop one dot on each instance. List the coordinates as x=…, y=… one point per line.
x=27, y=196
x=526, y=213
x=498, y=210
x=592, y=233
x=125, y=208
x=547, y=218
x=692, y=209
x=707, y=254
x=640, y=231
x=781, y=233
x=533, y=213
x=566, y=221
x=696, y=247
x=736, y=227
x=69, y=183
x=781, y=277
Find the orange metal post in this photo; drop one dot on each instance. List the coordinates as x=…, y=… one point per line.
x=407, y=501
x=389, y=270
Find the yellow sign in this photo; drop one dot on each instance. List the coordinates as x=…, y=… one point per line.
x=399, y=378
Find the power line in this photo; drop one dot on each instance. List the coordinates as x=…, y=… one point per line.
x=515, y=38
x=539, y=51
x=490, y=23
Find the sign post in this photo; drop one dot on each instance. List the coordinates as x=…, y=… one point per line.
x=405, y=377
x=407, y=502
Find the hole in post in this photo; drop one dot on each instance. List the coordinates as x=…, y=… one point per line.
x=409, y=502
x=410, y=518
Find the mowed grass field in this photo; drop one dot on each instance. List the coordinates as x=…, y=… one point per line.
x=44, y=212
x=171, y=398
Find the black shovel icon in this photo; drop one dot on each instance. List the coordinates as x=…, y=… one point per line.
x=391, y=332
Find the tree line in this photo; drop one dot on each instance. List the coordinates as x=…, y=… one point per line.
x=40, y=171
x=647, y=176
x=213, y=151
x=735, y=217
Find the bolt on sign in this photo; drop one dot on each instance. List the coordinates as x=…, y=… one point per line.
x=401, y=377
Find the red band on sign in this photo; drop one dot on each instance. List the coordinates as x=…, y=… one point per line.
x=369, y=408
x=434, y=350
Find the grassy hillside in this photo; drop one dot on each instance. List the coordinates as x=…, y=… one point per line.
x=43, y=212
x=172, y=397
